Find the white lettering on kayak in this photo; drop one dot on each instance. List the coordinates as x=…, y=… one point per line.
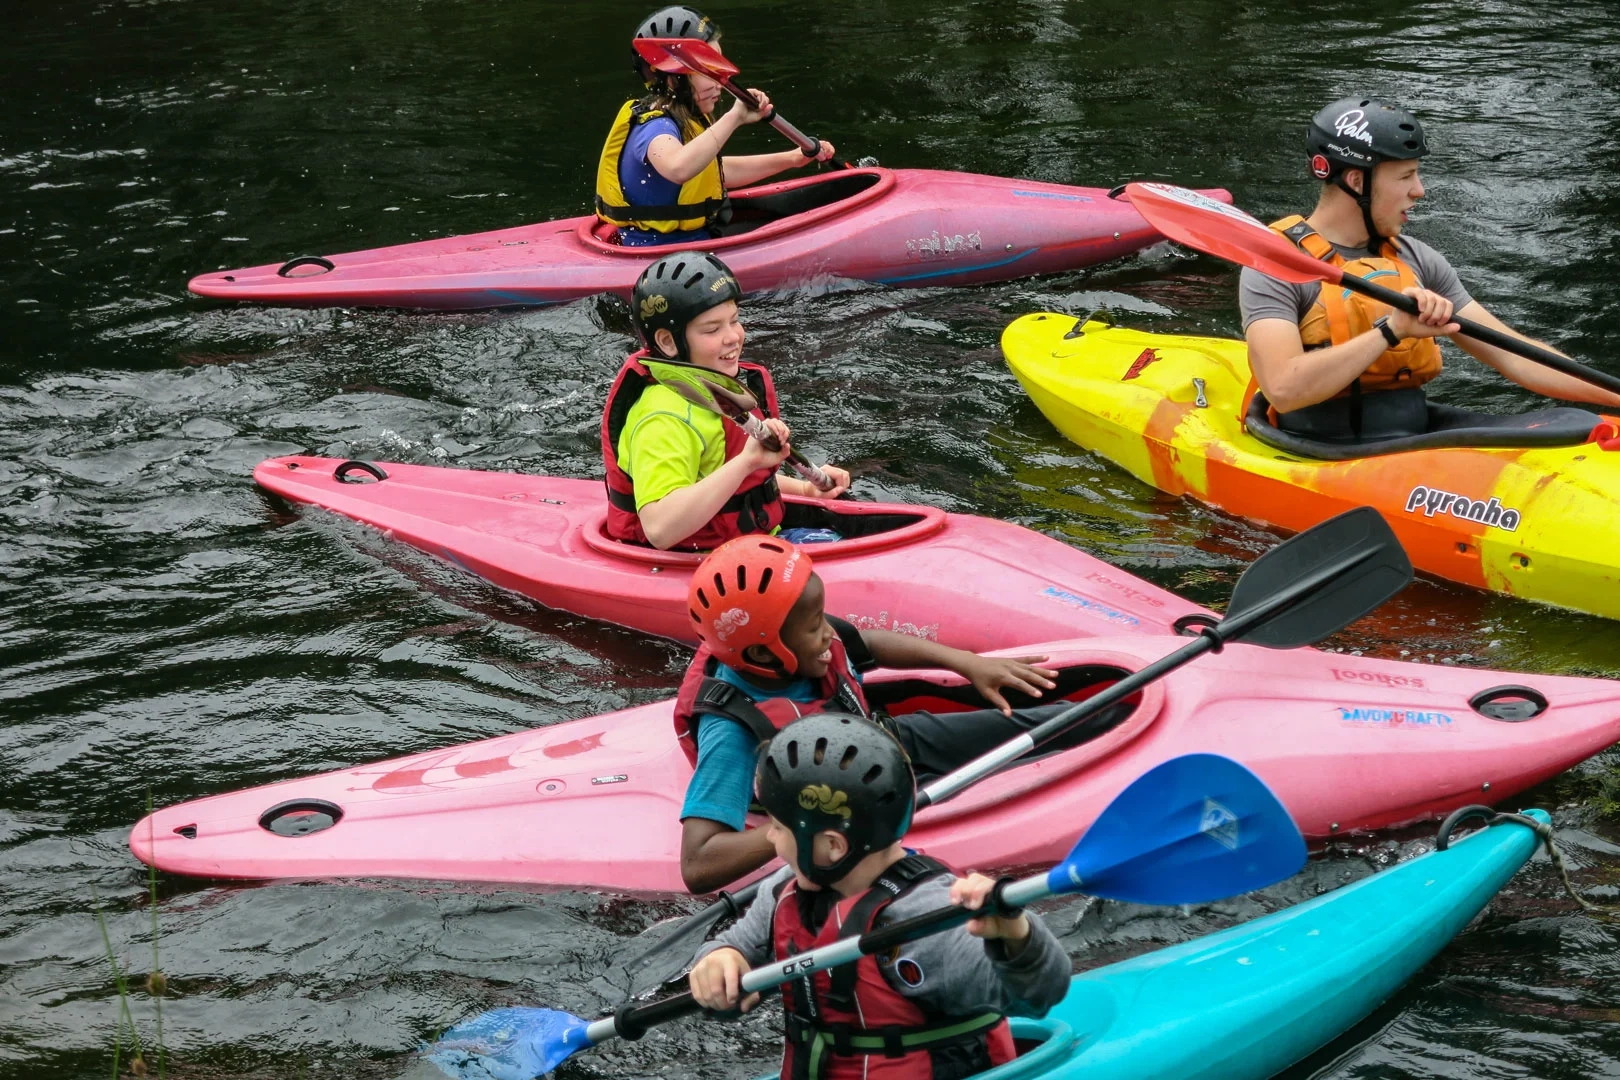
x=940, y=247
x=1353, y=124
x=1433, y=501
x=1382, y=678
x=928, y=632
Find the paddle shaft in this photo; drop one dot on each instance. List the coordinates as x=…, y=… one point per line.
x=1210, y=639
x=808, y=145
x=1008, y=898
x=756, y=429
x=1489, y=335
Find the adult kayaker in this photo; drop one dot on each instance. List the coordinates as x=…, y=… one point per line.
x=677, y=475
x=661, y=178
x=1334, y=365
x=769, y=655
x=840, y=792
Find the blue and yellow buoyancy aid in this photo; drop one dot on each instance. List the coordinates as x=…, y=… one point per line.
x=700, y=198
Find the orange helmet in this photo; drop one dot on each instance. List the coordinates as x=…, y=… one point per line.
x=741, y=595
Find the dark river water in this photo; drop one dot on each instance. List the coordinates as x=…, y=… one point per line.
x=166, y=632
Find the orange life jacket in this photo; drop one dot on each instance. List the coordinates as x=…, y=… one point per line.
x=755, y=508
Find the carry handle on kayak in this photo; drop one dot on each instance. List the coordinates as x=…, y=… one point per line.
x=688, y=55
x=1298, y=593
x=1228, y=233
x=1191, y=830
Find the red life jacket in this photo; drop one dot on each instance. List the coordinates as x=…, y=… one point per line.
x=755, y=508
x=849, y=1023
x=838, y=690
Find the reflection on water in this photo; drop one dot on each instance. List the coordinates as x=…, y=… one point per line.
x=164, y=628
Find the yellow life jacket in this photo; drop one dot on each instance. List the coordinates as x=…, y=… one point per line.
x=700, y=199
x=1338, y=314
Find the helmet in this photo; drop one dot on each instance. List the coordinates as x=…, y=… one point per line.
x=671, y=22
x=675, y=290
x=832, y=771
x=1358, y=133
x=741, y=595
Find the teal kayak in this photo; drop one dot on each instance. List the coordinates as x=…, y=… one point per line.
x=1246, y=1003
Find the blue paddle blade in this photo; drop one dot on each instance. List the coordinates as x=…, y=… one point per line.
x=508, y=1044
x=1195, y=829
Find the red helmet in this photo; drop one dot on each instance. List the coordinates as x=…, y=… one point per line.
x=741, y=595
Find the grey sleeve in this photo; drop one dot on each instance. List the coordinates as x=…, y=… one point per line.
x=1262, y=297
x=751, y=934
x=1434, y=272
x=960, y=975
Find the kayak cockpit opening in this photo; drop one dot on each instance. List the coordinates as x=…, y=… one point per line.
x=1447, y=427
x=766, y=209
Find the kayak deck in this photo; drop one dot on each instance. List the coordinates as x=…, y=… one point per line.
x=1539, y=523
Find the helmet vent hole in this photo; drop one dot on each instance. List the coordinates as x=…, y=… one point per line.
x=765, y=580
x=871, y=774
x=821, y=751
x=770, y=763
x=849, y=756
x=793, y=754
x=693, y=280
x=742, y=579
x=719, y=584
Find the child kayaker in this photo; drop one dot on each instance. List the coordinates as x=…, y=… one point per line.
x=661, y=179
x=679, y=476
x=839, y=792
x=1334, y=365
x=770, y=654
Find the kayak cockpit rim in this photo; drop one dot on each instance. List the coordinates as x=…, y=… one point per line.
x=916, y=523
x=862, y=186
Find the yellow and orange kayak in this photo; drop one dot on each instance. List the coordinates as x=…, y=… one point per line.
x=1539, y=523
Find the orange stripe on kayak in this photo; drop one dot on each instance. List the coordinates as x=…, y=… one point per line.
x=1160, y=436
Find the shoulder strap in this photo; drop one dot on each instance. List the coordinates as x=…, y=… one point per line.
x=854, y=644
x=1306, y=238
x=720, y=697
x=891, y=885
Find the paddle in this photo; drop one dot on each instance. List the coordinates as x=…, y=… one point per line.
x=1296, y=594
x=727, y=397
x=1191, y=830
x=681, y=56
x=1228, y=233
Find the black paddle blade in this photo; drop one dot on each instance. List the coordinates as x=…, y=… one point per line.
x=1318, y=582
x=673, y=953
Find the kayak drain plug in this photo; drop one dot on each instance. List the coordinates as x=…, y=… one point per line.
x=300, y=817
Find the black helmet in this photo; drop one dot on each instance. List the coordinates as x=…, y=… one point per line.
x=1358, y=133
x=675, y=290
x=671, y=22
x=832, y=771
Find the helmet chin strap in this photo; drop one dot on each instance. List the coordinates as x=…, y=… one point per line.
x=1375, y=240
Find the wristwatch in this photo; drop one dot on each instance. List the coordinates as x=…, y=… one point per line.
x=1382, y=326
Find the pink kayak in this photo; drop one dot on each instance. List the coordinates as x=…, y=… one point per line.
x=1347, y=743
x=968, y=581
x=886, y=226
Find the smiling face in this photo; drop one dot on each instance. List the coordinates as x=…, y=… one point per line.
x=714, y=339
x=805, y=633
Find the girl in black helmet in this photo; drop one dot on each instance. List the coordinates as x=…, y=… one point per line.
x=661, y=179
x=1332, y=364
x=839, y=792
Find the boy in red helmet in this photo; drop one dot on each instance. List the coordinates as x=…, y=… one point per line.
x=771, y=654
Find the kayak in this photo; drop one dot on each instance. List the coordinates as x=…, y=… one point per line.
x=1541, y=522
x=1247, y=1002
x=971, y=582
x=1347, y=743
x=904, y=227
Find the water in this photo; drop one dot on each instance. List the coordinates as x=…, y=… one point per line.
x=164, y=629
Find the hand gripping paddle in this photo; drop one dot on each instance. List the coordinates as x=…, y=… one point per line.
x=1194, y=829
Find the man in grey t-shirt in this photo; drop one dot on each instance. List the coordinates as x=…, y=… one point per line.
x=1313, y=372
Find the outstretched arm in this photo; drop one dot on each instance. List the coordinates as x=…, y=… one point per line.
x=1527, y=373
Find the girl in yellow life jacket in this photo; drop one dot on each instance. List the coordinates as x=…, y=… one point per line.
x=661, y=178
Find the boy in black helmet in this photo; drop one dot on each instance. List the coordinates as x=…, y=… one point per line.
x=840, y=793
x=677, y=475
x=1334, y=365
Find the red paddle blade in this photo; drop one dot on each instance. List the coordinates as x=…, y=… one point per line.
x=683, y=56
x=1226, y=232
